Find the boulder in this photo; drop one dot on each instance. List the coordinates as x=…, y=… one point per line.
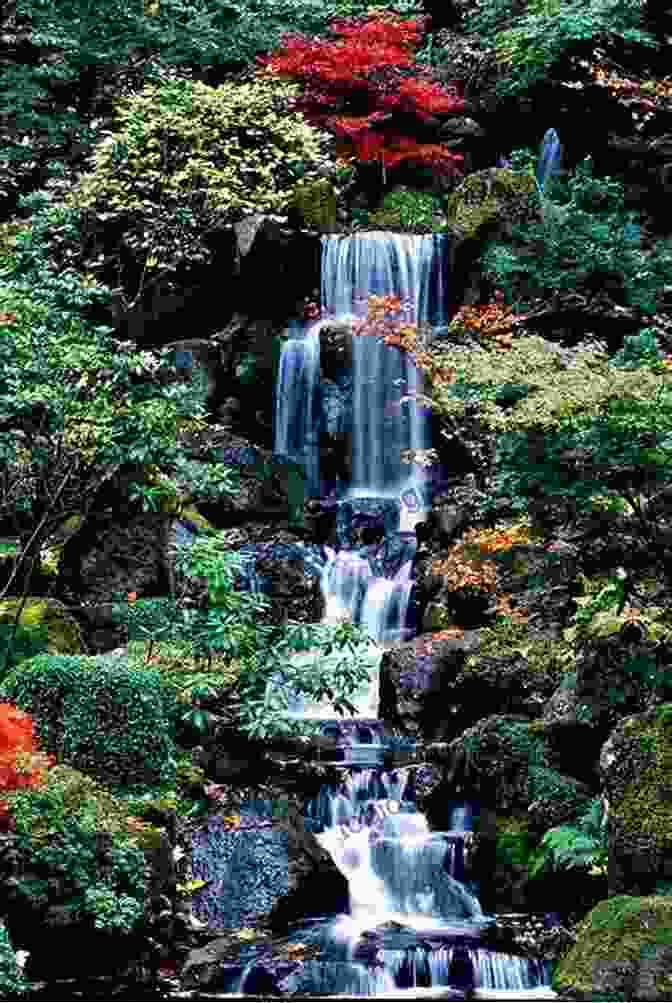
x=268, y=868
x=635, y=771
x=487, y=202
x=115, y=552
x=416, y=680
x=611, y=680
x=622, y=949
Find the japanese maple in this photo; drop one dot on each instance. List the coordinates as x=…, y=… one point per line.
x=21, y=762
x=359, y=82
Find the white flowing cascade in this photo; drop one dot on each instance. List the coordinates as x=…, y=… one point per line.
x=398, y=872
x=385, y=418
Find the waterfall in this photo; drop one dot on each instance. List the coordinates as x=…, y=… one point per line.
x=413, y=926
x=385, y=419
x=409, y=266
x=296, y=405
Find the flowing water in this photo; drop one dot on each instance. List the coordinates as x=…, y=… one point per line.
x=414, y=927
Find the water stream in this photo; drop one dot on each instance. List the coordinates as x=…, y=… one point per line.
x=414, y=927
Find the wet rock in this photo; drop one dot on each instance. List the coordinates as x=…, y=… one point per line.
x=635, y=773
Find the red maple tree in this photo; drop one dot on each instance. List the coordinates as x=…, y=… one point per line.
x=21, y=762
x=362, y=86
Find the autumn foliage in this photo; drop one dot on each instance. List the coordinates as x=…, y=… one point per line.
x=362, y=86
x=21, y=762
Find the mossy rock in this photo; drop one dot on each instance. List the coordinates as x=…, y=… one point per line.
x=636, y=768
x=623, y=948
x=44, y=625
x=315, y=204
x=492, y=196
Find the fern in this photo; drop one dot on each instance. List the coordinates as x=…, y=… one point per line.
x=581, y=845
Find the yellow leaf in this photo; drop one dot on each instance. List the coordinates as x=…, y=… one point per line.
x=247, y=933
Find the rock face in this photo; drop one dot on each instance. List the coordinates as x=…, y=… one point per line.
x=622, y=948
x=415, y=684
x=493, y=199
x=635, y=765
x=269, y=868
x=610, y=682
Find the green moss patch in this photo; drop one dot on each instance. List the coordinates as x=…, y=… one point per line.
x=623, y=930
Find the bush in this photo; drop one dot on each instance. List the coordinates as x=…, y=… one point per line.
x=109, y=720
x=185, y=159
x=587, y=249
x=405, y=209
x=639, y=350
x=529, y=40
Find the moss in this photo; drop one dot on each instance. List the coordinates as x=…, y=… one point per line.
x=44, y=625
x=315, y=203
x=487, y=196
x=542, y=654
x=640, y=807
x=619, y=930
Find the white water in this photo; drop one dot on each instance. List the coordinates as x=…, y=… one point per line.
x=399, y=872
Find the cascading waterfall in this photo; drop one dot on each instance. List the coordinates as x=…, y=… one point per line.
x=413, y=925
x=385, y=419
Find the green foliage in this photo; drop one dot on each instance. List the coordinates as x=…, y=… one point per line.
x=68, y=794
x=12, y=984
x=109, y=720
x=624, y=448
x=184, y=159
x=529, y=42
x=639, y=350
x=513, y=842
x=76, y=405
x=58, y=827
x=406, y=209
x=582, y=845
x=546, y=784
x=254, y=653
x=584, y=247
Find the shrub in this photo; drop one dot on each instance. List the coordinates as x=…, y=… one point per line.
x=639, y=350
x=546, y=784
x=528, y=42
x=405, y=209
x=109, y=720
x=588, y=249
x=186, y=158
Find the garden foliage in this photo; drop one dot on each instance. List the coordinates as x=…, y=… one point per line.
x=584, y=247
x=260, y=669
x=363, y=85
x=110, y=721
x=184, y=159
x=529, y=40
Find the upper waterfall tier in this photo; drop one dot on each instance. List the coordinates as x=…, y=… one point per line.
x=410, y=266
